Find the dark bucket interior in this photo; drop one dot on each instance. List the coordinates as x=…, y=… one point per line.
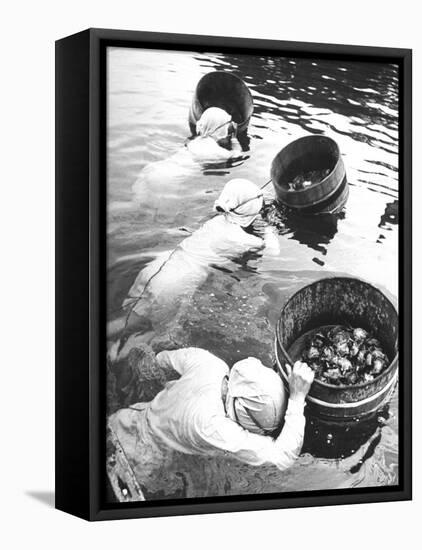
x=224, y=90
x=339, y=301
x=311, y=153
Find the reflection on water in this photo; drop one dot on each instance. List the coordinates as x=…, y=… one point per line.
x=234, y=313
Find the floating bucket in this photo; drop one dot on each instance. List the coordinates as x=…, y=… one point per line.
x=306, y=154
x=224, y=90
x=341, y=301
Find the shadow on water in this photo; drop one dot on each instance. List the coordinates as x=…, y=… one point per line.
x=338, y=440
x=312, y=231
x=391, y=214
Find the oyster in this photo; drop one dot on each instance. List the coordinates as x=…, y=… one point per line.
x=378, y=366
x=373, y=342
x=318, y=340
x=359, y=335
x=342, y=348
x=339, y=335
x=354, y=349
x=343, y=355
x=360, y=358
x=378, y=354
x=313, y=353
x=327, y=353
x=345, y=364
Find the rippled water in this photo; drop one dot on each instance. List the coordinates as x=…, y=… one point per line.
x=234, y=313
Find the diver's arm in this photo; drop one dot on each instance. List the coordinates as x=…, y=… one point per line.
x=272, y=244
x=236, y=148
x=185, y=359
x=255, y=449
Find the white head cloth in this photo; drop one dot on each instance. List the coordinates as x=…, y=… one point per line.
x=214, y=122
x=241, y=200
x=256, y=397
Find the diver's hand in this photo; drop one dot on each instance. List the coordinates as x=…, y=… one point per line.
x=300, y=380
x=272, y=244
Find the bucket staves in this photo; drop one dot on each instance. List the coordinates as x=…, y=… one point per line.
x=226, y=91
x=314, y=153
x=341, y=301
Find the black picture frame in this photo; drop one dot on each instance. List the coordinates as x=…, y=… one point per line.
x=81, y=285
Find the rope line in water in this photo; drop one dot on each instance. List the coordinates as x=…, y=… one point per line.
x=138, y=298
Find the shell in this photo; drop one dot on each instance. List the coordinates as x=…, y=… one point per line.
x=360, y=358
x=359, y=334
x=318, y=340
x=345, y=364
x=354, y=349
x=342, y=348
x=343, y=355
x=313, y=353
x=373, y=342
x=378, y=366
x=339, y=335
x=333, y=373
x=378, y=354
x=334, y=360
x=351, y=378
x=327, y=353
x=316, y=367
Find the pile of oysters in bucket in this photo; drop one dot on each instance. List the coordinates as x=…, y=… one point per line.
x=306, y=179
x=344, y=356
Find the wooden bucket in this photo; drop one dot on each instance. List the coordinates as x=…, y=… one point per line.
x=226, y=91
x=311, y=153
x=341, y=301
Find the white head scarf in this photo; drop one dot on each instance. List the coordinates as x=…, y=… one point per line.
x=256, y=397
x=241, y=200
x=214, y=123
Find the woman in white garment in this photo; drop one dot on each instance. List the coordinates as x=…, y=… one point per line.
x=163, y=185
x=211, y=411
x=175, y=275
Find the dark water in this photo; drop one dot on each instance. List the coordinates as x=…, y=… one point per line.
x=234, y=313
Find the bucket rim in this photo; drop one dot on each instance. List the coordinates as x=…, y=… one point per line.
x=350, y=404
x=233, y=77
x=226, y=73
x=305, y=138
x=393, y=362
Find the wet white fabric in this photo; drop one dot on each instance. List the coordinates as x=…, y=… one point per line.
x=163, y=187
x=209, y=151
x=180, y=272
x=241, y=200
x=188, y=416
x=214, y=122
x=256, y=396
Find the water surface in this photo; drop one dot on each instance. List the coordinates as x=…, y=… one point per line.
x=234, y=313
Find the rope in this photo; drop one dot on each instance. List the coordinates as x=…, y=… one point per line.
x=252, y=198
x=137, y=299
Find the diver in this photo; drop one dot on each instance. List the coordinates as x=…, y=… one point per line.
x=174, y=276
x=211, y=410
x=215, y=143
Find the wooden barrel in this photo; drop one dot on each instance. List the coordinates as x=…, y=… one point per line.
x=311, y=153
x=223, y=90
x=341, y=301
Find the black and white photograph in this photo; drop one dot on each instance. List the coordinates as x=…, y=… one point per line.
x=252, y=272
x=210, y=275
